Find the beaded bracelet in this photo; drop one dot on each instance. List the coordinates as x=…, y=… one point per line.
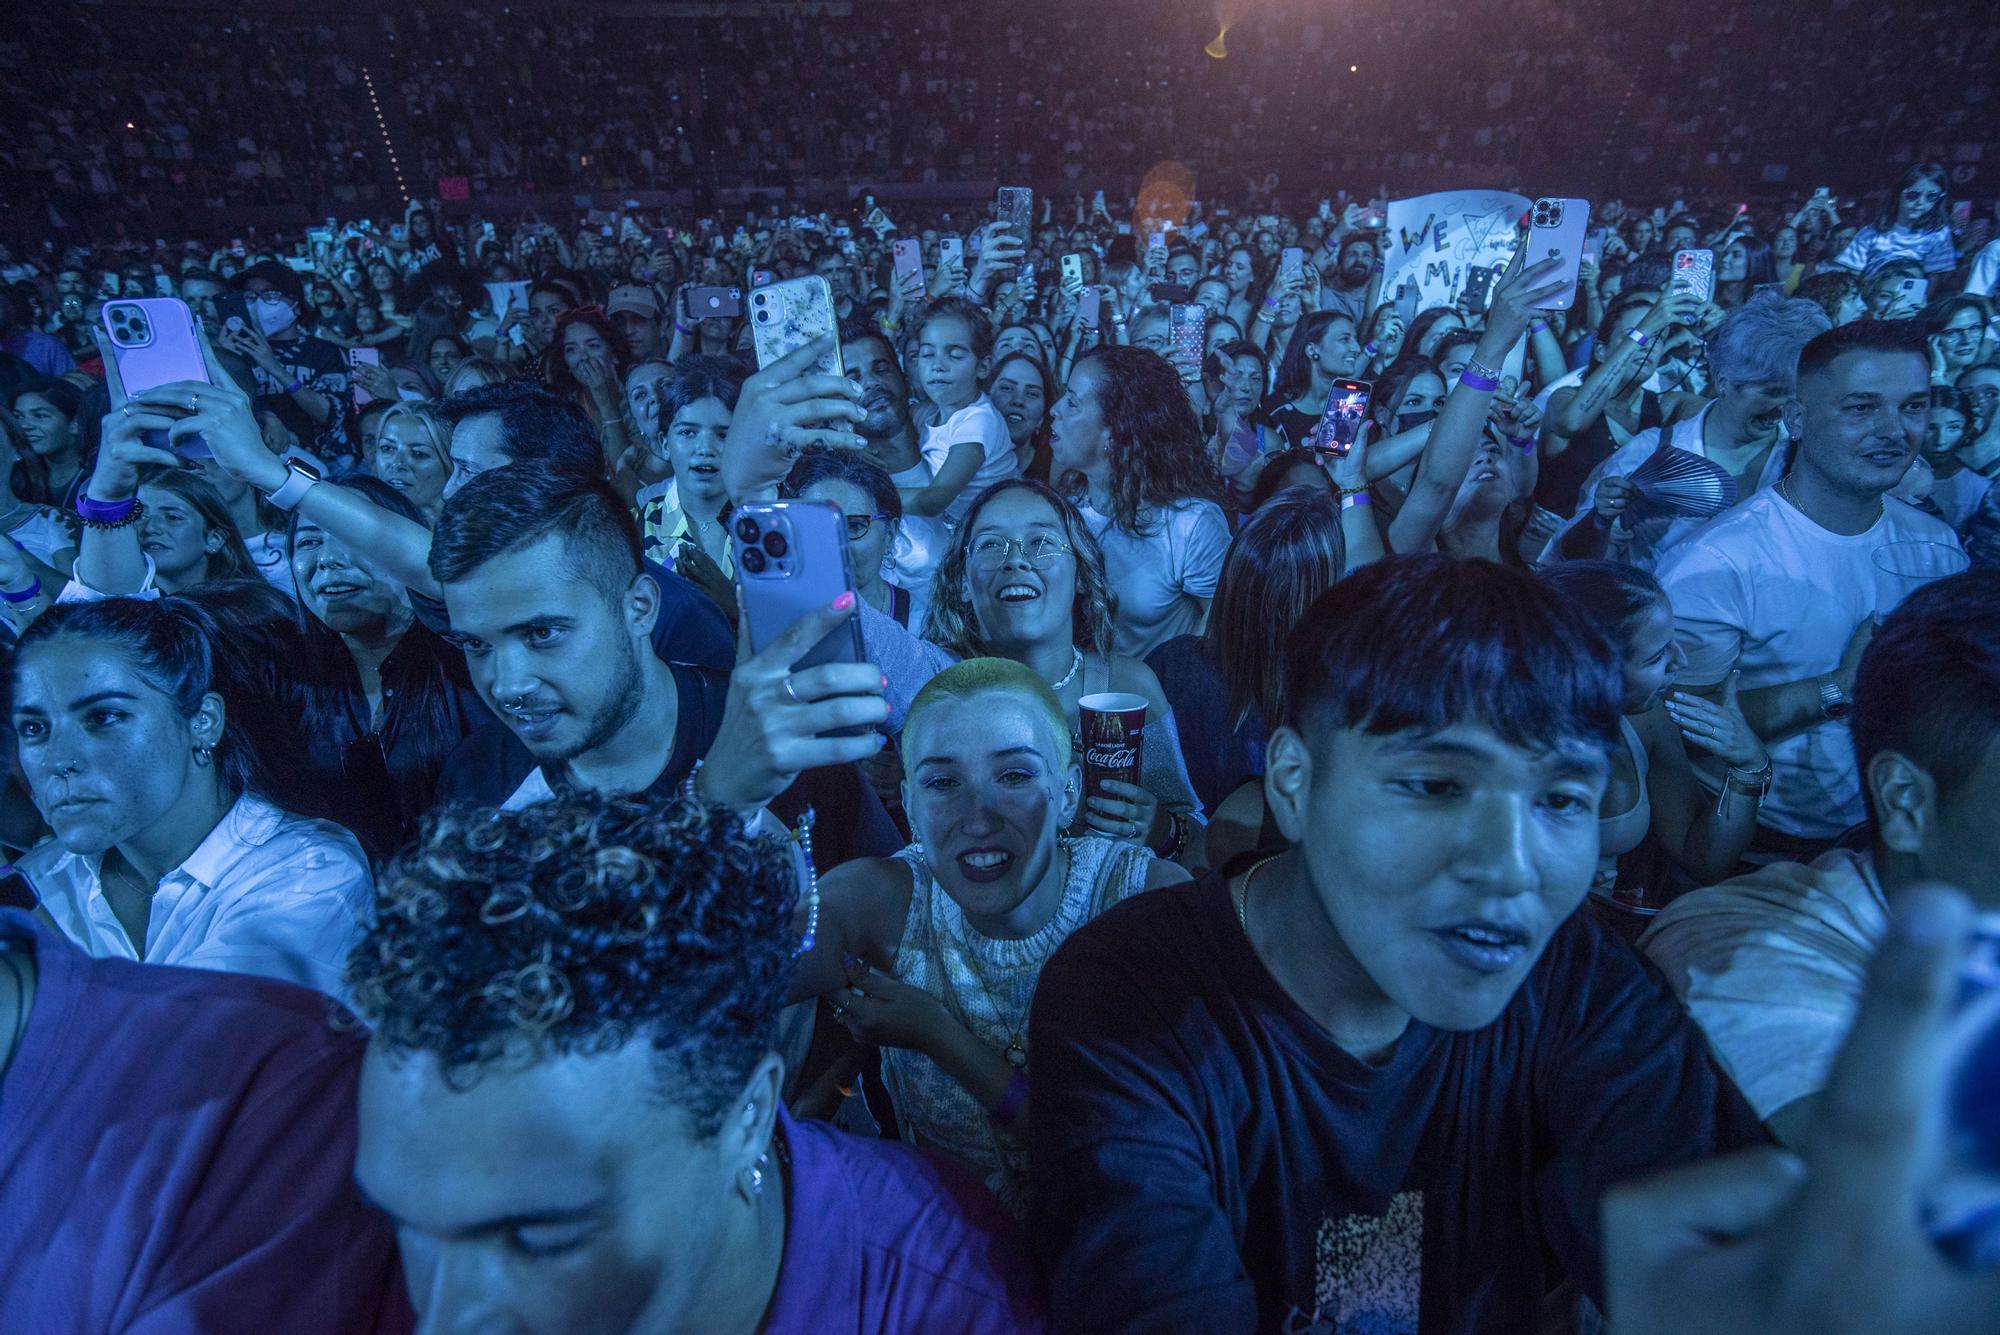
x=108, y=514
x=801, y=836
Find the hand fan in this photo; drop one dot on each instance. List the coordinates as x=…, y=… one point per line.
x=1679, y=482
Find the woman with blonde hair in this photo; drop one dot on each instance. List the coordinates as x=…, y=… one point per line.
x=413, y=454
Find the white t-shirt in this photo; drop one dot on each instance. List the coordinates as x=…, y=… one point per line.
x=1765, y=590
x=981, y=423
x=1156, y=578
x=1654, y=538
x=1957, y=497
x=43, y=535
x=1771, y=966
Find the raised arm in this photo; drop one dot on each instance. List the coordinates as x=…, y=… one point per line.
x=1455, y=434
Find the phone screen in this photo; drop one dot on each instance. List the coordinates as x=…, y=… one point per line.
x=1346, y=410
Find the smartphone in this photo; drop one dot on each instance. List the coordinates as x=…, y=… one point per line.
x=363, y=357
x=1156, y=251
x=1291, y=266
x=909, y=266
x=1593, y=246
x=298, y=264
x=1346, y=410
x=1555, y=232
x=1325, y=209
x=1479, y=280
x=1072, y=271
x=1170, y=294
x=1015, y=206
x=1961, y=213
x=1090, y=308
x=395, y=231
x=153, y=342
x=792, y=559
x=951, y=250
x=232, y=310
x=786, y=316
x=1187, y=331
x=762, y=278
x=714, y=303
x=1694, y=271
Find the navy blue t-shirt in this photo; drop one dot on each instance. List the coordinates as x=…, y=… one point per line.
x=1204, y=1157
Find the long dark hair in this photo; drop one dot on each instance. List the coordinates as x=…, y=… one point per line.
x=1286, y=555
x=1294, y=370
x=172, y=643
x=233, y=560
x=555, y=367
x=1038, y=439
x=1927, y=172
x=1158, y=456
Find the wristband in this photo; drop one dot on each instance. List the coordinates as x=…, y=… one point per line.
x=1539, y=326
x=1639, y=336
x=1354, y=499
x=1525, y=444
x=1479, y=377
x=297, y=483
x=296, y=385
x=1369, y=350
x=106, y=514
x=27, y=595
x=680, y=328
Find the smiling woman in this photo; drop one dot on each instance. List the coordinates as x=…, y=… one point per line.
x=934, y=953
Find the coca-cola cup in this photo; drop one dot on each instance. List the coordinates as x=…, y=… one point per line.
x=1114, y=730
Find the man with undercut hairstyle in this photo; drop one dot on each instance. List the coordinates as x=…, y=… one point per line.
x=1380, y=1080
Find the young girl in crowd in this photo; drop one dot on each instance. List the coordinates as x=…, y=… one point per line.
x=48, y=415
x=685, y=511
x=965, y=439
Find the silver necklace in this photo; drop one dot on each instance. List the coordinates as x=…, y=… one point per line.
x=1075, y=666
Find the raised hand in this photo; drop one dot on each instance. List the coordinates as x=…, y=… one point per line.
x=781, y=410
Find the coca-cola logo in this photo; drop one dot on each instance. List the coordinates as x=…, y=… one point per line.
x=1112, y=757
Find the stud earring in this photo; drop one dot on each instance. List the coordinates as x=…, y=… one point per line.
x=204, y=756
x=750, y=1182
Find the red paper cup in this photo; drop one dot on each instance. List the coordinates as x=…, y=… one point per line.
x=1114, y=729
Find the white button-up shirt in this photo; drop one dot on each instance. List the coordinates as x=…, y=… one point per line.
x=266, y=892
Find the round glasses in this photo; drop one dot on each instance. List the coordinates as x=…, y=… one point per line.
x=1040, y=551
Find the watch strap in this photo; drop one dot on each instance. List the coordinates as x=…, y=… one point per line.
x=297, y=483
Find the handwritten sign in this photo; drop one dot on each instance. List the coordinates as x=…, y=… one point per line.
x=1431, y=241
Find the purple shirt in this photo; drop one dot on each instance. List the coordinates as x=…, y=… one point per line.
x=39, y=350
x=177, y=1154
x=881, y=1238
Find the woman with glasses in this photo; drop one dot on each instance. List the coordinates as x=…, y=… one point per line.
x=1023, y=579
x=862, y=491
x=1916, y=225
x=1957, y=330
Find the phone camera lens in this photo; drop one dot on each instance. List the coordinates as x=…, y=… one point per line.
x=746, y=529
x=753, y=561
x=775, y=544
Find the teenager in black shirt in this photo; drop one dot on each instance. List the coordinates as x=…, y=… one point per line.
x=1378, y=1081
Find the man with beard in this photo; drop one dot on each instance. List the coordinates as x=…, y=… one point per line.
x=1783, y=589
x=552, y=605
x=1346, y=286
x=891, y=441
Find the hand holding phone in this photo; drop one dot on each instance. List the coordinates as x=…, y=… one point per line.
x=1556, y=228
x=1346, y=410
x=149, y=342
x=1694, y=274
x=779, y=722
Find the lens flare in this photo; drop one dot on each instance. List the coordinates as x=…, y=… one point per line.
x=1219, y=48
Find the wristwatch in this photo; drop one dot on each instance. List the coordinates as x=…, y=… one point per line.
x=1833, y=702
x=298, y=481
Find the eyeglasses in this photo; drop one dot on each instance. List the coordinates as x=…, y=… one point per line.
x=1920, y=196
x=1960, y=331
x=1040, y=551
x=858, y=525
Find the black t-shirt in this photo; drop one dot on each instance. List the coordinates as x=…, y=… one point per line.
x=850, y=822
x=1284, y=427
x=1205, y=1158
x=319, y=366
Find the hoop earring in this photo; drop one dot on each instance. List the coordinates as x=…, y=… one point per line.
x=204, y=756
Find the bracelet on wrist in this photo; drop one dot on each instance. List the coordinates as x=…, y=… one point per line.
x=107, y=514
x=1356, y=499
x=296, y=385
x=1639, y=336
x=27, y=595
x=1478, y=377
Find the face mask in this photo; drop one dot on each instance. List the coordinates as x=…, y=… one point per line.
x=273, y=315
x=1411, y=421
